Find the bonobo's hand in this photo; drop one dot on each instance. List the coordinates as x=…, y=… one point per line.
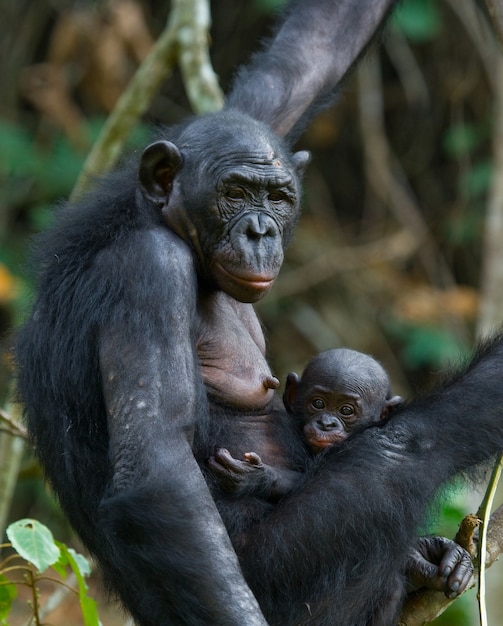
x=439, y=563
x=234, y=476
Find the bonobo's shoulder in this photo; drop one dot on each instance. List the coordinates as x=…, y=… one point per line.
x=153, y=265
x=152, y=249
x=164, y=248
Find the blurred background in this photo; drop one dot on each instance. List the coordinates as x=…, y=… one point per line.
x=390, y=256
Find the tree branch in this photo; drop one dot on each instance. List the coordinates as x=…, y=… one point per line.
x=185, y=38
x=14, y=426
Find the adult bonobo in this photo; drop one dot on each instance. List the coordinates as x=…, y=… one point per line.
x=143, y=344
x=143, y=314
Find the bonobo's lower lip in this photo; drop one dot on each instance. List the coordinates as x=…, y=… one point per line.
x=254, y=282
x=320, y=443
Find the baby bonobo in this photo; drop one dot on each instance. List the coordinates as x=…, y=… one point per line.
x=340, y=391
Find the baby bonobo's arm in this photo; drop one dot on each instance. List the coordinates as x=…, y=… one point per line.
x=251, y=476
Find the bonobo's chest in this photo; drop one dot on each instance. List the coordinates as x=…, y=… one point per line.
x=230, y=348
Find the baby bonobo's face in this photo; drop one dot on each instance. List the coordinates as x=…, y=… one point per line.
x=331, y=415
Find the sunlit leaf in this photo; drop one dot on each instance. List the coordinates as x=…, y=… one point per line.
x=34, y=542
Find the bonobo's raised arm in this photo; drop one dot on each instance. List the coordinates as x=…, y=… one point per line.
x=312, y=51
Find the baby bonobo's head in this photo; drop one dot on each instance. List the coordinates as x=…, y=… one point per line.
x=339, y=391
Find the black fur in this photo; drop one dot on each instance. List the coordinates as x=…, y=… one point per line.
x=110, y=374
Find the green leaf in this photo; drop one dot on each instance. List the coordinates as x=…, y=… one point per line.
x=419, y=20
x=62, y=563
x=8, y=592
x=80, y=568
x=81, y=562
x=34, y=542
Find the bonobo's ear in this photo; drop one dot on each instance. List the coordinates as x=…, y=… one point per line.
x=300, y=161
x=389, y=404
x=159, y=163
x=292, y=383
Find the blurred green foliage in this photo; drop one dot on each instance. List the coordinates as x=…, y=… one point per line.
x=34, y=177
x=419, y=20
x=427, y=346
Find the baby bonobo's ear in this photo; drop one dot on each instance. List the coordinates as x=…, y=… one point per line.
x=389, y=405
x=290, y=394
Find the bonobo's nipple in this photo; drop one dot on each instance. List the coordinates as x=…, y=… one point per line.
x=270, y=382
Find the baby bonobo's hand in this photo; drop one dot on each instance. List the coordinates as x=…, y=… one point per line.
x=439, y=563
x=234, y=476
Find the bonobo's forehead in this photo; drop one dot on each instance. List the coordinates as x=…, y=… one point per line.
x=251, y=169
x=347, y=369
x=234, y=143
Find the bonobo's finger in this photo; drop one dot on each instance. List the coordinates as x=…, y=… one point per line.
x=225, y=466
x=216, y=467
x=458, y=567
x=422, y=572
x=452, y=555
x=253, y=458
x=224, y=457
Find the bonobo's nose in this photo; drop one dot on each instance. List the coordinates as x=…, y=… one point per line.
x=258, y=225
x=329, y=422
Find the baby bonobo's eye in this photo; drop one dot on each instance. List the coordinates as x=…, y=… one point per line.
x=318, y=404
x=347, y=409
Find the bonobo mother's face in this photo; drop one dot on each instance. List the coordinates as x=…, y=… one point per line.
x=235, y=199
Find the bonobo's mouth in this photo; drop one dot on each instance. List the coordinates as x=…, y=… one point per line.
x=318, y=439
x=246, y=287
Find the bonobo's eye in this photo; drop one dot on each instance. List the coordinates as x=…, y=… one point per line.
x=235, y=193
x=276, y=196
x=318, y=404
x=347, y=409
